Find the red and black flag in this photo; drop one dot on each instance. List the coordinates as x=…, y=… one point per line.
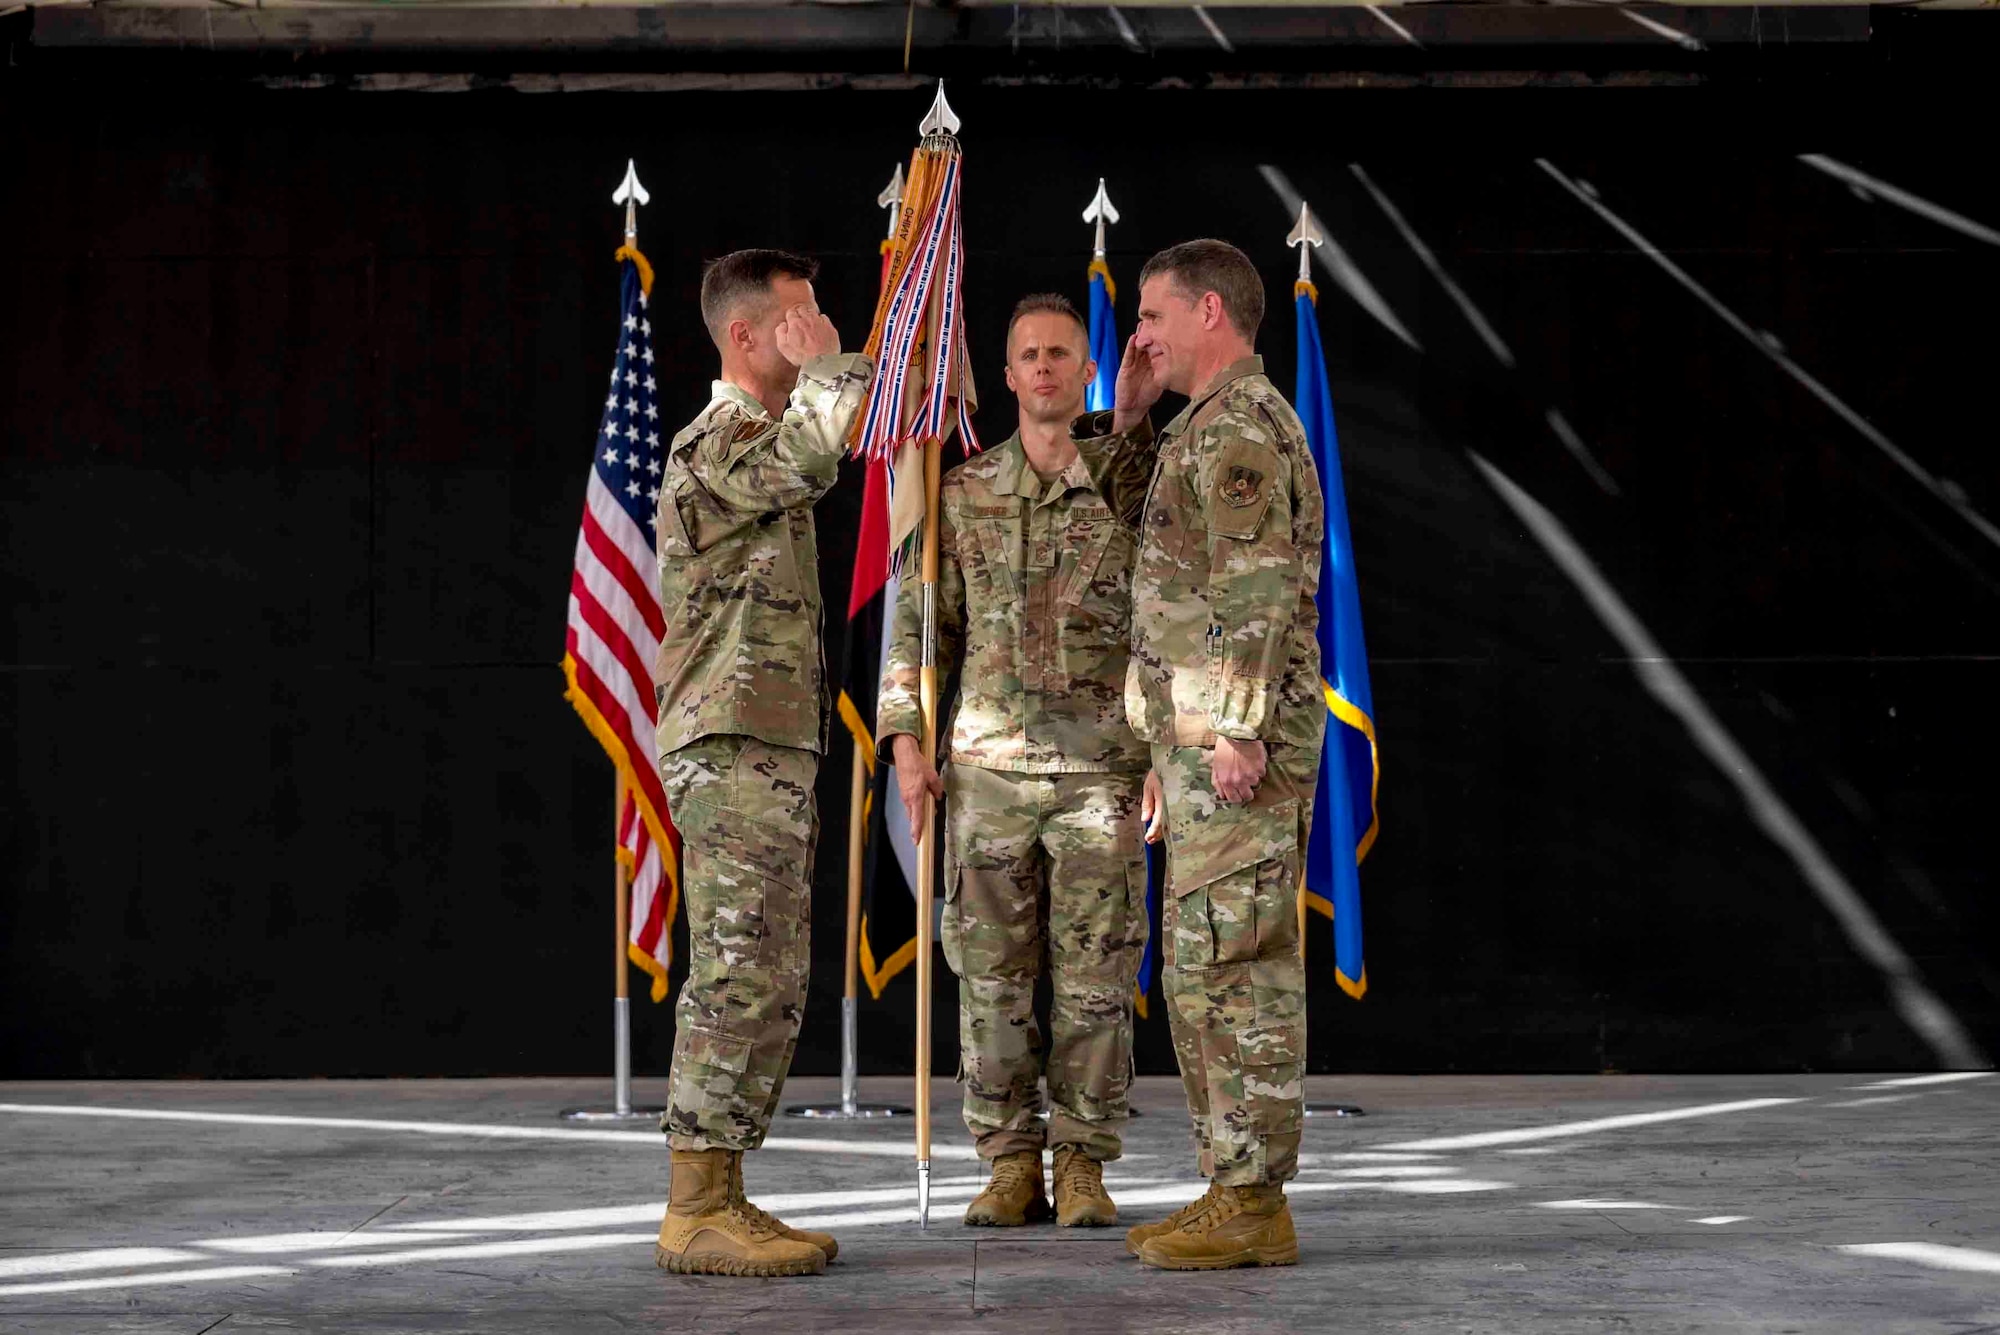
x=889, y=908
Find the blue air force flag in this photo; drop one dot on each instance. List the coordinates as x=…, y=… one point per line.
x=1103, y=338
x=1345, y=821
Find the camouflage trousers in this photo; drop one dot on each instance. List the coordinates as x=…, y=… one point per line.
x=1044, y=864
x=748, y=824
x=1234, y=983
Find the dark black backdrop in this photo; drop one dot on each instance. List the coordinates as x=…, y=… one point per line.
x=299, y=395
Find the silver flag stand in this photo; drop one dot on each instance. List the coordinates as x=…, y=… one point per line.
x=850, y=1108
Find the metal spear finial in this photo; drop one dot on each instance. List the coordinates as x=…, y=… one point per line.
x=1305, y=235
x=1101, y=211
x=631, y=194
x=891, y=199
x=940, y=119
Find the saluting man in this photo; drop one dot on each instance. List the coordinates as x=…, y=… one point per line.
x=1045, y=780
x=742, y=709
x=1224, y=684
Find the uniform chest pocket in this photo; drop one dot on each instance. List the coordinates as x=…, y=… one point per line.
x=995, y=532
x=1102, y=578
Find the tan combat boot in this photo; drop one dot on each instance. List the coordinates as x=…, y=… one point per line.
x=707, y=1231
x=1139, y=1234
x=1241, y=1226
x=1014, y=1195
x=823, y=1241
x=1081, y=1200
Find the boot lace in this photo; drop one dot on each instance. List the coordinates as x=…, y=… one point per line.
x=1079, y=1174
x=755, y=1217
x=1194, y=1208
x=1215, y=1209
x=1011, y=1175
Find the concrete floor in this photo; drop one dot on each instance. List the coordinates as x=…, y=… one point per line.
x=1543, y=1204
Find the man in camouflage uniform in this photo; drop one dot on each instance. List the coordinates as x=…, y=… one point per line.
x=742, y=707
x=1225, y=684
x=1045, y=846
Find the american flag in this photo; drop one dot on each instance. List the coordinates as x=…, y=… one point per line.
x=615, y=622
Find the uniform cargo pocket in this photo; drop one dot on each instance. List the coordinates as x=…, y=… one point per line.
x=705, y=1047
x=1234, y=883
x=951, y=934
x=1272, y=1058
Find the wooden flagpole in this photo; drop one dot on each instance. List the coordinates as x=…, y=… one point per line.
x=850, y=1105
x=927, y=692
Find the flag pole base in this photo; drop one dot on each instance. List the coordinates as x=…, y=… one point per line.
x=849, y=1109
x=1334, y=1110
x=612, y=1114
x=923, y=1193
x=840, y=1112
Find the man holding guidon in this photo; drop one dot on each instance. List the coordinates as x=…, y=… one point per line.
x=1045, y=851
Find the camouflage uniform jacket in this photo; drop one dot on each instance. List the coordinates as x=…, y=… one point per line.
x=739, y=564
x=1034, y=603
x=1224, y=628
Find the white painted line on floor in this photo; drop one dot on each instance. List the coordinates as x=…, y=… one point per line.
x=1361, y=1156
x=1868, y=185
x=1913, y=999
x=281, y=1243
x=1945, y=490
x=207, y=1276
x=645, y=1140
x=1589, y=1204
x=1913, y=1081
x=1879, y=1098
x=1933, y=1254
x=1473, y=315
x=1444, y=1186
x=518, y=1247
x=1722, y=1219
x=1391, y=1170
x=1344, y=272
x=106, y=1258
x=1483, y=1139
x=1537, y=1149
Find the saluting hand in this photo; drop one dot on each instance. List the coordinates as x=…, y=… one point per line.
x=1139, y=386
x=804, y=333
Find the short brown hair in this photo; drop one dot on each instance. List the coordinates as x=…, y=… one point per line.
x=1047, y=303
x=1213, y=266
x=745, y=273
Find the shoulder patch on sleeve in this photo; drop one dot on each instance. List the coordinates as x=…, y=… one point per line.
x=1245, y=473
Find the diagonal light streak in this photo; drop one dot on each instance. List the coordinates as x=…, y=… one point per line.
x=1867, y=185
x=1345, y=273
x=1933, y=1254
x=1912, y=998
x=1945, y=490
x=1394, y=26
